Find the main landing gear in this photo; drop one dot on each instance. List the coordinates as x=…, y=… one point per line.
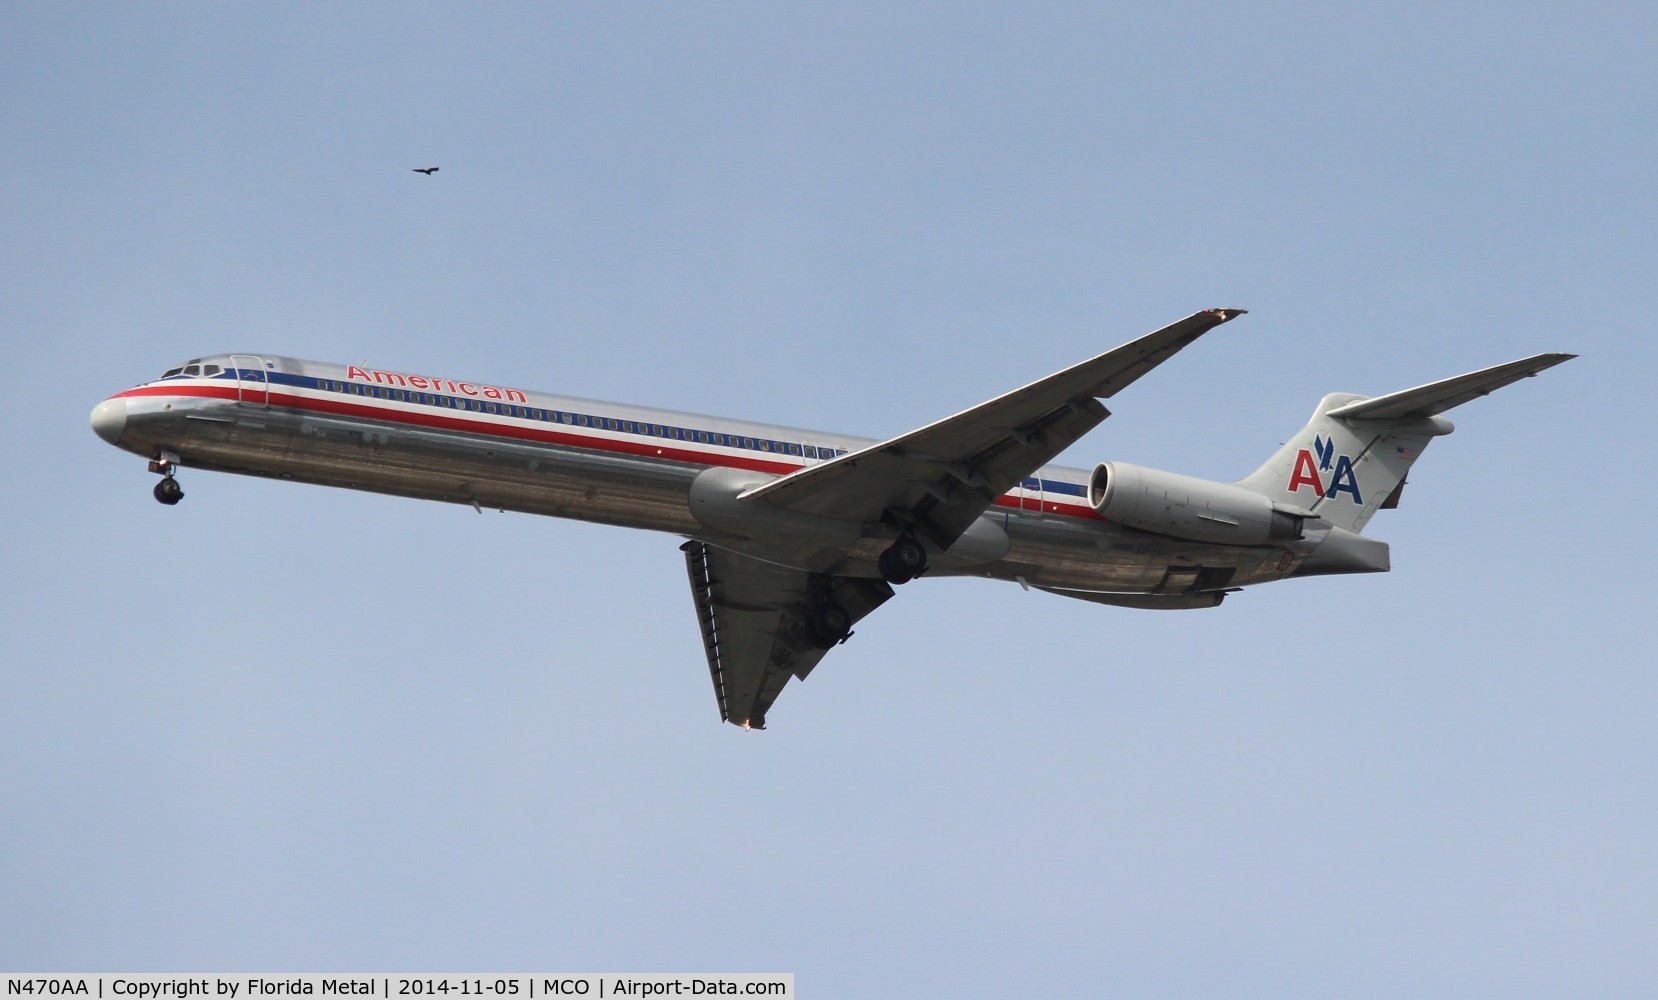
x=903, y=561
x=168, y=491
x=828, y=625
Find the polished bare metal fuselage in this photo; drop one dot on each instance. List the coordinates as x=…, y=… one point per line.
x=361, y=431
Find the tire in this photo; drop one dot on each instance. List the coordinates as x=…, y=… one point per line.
x=168, y=491
x=903, y=561
x=828, y=625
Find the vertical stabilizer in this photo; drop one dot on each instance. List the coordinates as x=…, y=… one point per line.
x=1342, y=472
x=1352, y=457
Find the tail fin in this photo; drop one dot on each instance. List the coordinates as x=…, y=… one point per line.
x=1352, y=457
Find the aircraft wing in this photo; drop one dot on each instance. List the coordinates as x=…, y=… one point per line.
x=752, y=615
x=949, y=472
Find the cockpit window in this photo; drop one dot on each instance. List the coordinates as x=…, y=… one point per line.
x=191, y=367
x=194, y=368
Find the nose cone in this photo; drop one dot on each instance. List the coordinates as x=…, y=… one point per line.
x=109, y=420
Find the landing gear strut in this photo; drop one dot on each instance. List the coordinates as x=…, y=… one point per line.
x=168, y=490
x=903, y=561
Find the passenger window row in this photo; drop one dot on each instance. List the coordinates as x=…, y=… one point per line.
x=641, y=428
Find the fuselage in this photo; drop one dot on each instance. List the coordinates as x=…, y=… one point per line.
x=510, y=449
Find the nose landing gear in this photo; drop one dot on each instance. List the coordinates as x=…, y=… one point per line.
x=168, y=490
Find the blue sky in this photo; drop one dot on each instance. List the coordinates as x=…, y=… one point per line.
x=281, y=727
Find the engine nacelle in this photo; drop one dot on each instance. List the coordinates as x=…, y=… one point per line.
x=1187, y=507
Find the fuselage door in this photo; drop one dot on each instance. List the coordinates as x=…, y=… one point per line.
x=1029, y=492
x=252, y=385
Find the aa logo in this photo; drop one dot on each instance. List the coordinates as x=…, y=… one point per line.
x=1339, y=467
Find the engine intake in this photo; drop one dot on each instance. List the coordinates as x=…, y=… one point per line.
x=1186, y=507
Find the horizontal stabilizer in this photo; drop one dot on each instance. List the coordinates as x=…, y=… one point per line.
x=1437, y=397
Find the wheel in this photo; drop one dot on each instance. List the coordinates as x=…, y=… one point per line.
x=903, y=561
x=168, y=491
x=827, y=625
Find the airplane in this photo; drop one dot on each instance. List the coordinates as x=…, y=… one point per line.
x=793, y=536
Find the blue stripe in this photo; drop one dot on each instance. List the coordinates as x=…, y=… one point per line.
x=690, y=435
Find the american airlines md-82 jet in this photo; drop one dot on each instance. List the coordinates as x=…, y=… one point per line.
x=793, y=536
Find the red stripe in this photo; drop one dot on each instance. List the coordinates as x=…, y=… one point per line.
x=490, y=428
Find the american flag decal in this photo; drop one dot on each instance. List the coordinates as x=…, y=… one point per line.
x=1408, y=454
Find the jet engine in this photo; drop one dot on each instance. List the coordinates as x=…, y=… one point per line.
x=1187, y=507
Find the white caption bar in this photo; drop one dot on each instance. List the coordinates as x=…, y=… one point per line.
x=394, y=986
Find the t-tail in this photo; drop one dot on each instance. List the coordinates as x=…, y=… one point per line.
x=1352, y=458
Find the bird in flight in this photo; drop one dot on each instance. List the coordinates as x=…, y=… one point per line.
x=428, y=171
